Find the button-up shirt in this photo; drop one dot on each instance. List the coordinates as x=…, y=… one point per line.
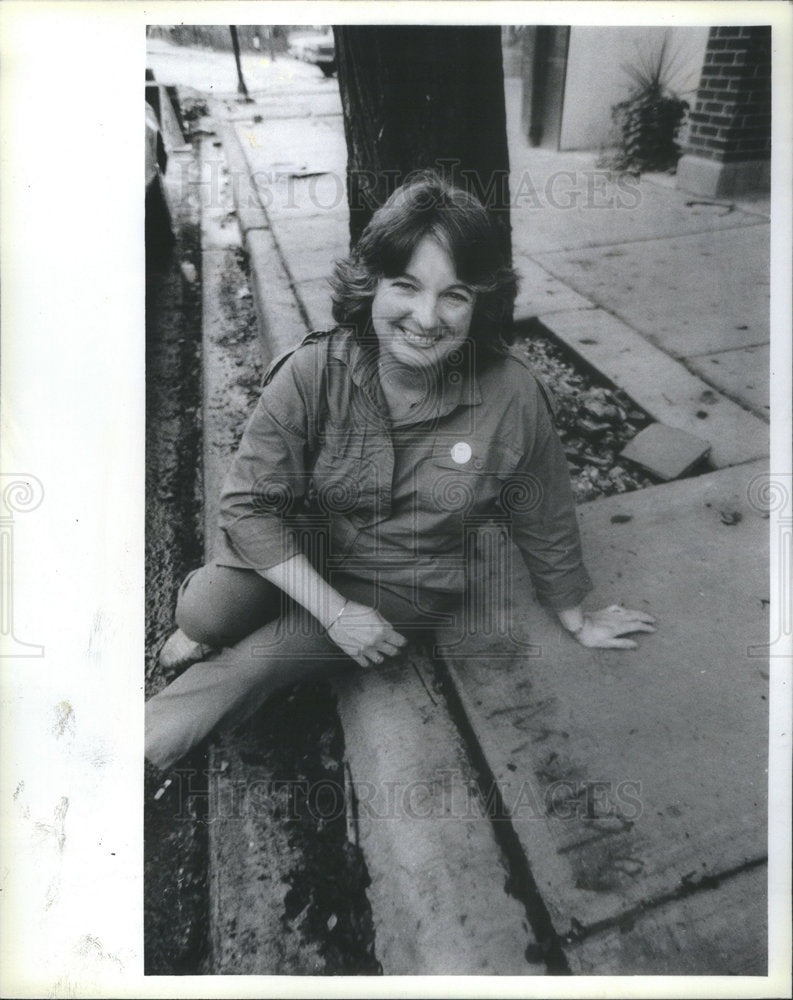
x=323, y=470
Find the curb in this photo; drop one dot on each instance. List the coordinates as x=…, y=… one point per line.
x=282, y=320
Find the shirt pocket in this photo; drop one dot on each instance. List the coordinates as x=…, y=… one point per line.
x=336, y=473
x=469, y=476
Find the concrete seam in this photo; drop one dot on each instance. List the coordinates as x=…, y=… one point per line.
x=706, y=883
x=765, y=417
x=724, y=350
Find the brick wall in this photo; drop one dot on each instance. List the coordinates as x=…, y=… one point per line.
x=731, y=120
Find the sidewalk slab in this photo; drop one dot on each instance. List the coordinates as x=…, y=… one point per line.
x=633, y=776
x=540, y=292
x=294, y=178
x=661, y=385
x=314, y=145
x=310, y=245
x=696, y=935
x=689, y=295
x=742, y=374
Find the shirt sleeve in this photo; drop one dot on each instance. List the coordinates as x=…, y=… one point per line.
x=268, y=477
x=543, y=518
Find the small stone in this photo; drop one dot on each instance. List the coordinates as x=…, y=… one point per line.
x=666, y=452
x=591, y=429
x=601, y=411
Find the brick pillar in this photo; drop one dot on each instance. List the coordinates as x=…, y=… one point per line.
x=728, y=150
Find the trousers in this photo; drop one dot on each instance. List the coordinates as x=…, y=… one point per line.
x=265, y=642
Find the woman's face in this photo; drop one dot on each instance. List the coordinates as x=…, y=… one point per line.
x=423, y=315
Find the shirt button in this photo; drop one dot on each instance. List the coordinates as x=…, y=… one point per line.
x=478, y=463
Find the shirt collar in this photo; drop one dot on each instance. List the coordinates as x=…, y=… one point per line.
x=460, y=384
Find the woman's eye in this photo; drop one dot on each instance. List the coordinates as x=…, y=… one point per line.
x=403, y=284
x=458, y=297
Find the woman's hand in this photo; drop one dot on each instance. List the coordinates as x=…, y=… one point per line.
x=364, y=634
x=600, y=629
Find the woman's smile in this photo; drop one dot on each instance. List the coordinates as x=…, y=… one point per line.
x=418, y=338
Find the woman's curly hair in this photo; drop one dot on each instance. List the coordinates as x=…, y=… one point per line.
x=427, y=205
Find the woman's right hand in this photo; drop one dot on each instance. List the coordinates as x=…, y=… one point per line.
x=364, y=634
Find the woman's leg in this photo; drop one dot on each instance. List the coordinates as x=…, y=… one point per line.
x=228, y=687
x=219, y=605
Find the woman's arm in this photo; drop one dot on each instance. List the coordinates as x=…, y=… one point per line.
x=549, y=540
x=263, y=491
x=359, y=631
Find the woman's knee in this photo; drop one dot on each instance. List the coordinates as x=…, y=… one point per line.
x=219, y=605
x=199, y=623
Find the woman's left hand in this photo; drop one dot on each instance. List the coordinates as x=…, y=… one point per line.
x=602, y=628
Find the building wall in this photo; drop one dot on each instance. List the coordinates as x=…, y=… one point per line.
x=731, y=119
x=728, y=149
x=595, y=79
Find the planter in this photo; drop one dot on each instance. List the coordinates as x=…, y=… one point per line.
x=648, y=126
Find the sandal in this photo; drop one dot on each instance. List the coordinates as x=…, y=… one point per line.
x=180, y=652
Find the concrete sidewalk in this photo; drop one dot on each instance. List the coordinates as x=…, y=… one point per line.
x=667, y=299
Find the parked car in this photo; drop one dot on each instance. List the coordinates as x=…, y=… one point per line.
x=317, y=48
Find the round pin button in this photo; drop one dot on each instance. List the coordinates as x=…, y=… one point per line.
x=461, y=452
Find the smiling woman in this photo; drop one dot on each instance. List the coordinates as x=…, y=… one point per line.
x=373, y=449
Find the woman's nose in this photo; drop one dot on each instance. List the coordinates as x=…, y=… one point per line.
x=425, y=311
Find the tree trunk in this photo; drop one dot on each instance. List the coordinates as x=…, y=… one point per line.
x=418, y=97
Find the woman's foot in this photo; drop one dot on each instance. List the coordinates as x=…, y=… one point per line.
x=180, y=652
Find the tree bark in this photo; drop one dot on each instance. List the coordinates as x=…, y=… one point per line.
x=423, y=97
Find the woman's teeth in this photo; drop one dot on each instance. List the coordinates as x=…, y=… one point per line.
x=417, y=339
